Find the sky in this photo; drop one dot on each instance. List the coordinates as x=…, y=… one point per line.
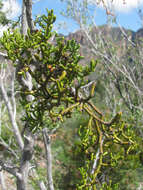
x=125, y=10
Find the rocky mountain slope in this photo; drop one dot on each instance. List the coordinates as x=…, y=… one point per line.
x=113, y=33
x=109, y=34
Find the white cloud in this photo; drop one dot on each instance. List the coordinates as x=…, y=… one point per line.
x=119, y=5
x=11, y=8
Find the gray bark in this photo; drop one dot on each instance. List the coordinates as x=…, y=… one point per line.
x=21, y=172
x=2, y=181
x=47, y=143
x=25, y=161
x=27, y=20
x=28, y=4
x=10, y=169
x=11, y=114
x=42, y=185
x=24, y=25
x=26, y=82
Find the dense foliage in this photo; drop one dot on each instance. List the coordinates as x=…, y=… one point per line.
x=57, y=83
x=53, y=68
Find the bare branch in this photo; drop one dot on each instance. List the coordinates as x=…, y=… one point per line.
x=7, y=147
x=42, y=185
x=10, y=112
x=2, y=181
x=47, y=143
x=10, y=169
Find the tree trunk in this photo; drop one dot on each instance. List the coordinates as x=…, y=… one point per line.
x=27, y=154
x=24, y=25
x=28, y=4
x=21, y=184
x=22, y=181
x=47, y=143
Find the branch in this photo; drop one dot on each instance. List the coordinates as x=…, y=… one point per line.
x=97, y=157
x=10, y=169
x=11, y=115
x=7, y=147
x=2, y=181
x=47, y=143
x=115, y=119
x=3, y=55
x=42, y=185
x=28, y=4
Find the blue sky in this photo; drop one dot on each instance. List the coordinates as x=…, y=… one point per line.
x=127, y=14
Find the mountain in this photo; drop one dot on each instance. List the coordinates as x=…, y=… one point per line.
x=139, y=33
x=107, y=34
x=113, y=33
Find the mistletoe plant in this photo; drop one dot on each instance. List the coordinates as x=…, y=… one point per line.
x=57, y=80
x=103, y=146
x=54, y=67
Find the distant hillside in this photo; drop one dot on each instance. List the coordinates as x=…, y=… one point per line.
x=112, y=34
